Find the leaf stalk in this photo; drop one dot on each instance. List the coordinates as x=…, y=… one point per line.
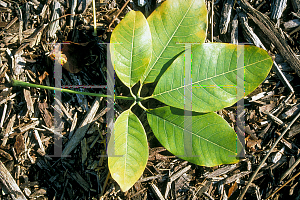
x=143, y=107
x=25, y=84
x=145, y=98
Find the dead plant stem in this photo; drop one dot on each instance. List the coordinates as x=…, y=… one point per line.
x=111, y=23
x=212, y=21
x=266, y=156
x=94, y=17
x=283, y=185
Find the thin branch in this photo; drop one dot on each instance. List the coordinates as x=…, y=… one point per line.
x=266, y=156
x=111, y=23
x=283, y=185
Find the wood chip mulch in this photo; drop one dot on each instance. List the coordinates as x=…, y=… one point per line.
x=30, y=166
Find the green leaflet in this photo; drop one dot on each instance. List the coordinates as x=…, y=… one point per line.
x=221, y=74
x=214, y=142
x=133, y=53
x=214, y=76
x=175, y=21
x=131, y=142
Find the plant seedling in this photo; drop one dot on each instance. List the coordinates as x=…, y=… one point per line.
x=194, y=80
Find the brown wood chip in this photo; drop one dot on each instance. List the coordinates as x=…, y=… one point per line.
x=19, y=144
x=46, y=115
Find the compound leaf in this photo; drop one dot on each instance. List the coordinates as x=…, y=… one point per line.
x=212, y=141
x=220, y=75
x=174, y=21
x=133, y=53
x=131, y=144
